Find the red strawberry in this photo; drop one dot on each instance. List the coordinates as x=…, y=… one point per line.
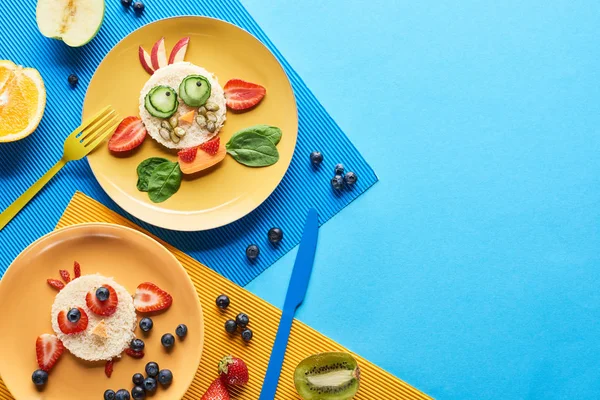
x=149, y=298
x=76, y=270
x=212, y=146
x=233, y=371
x=129, y=134
x=48, y=349
x=132, y=353
x=108, y=368
x=188, y=155
x=105, y=308
x=56, y=284
x=64, y=274
x=67, y=327
x=216, y=391
x=242, y=95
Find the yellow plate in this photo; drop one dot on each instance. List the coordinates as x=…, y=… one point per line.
x=227, y=191
x=111, y=250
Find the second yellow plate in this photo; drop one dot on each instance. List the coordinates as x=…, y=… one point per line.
x=223, y=193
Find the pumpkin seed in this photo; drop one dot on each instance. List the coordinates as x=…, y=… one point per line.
x=201, y=120
x=166, y=125
x=210, y=106
x=202, y=111
x=179, y=132
x=211, y=117
x=211, y=126
x=165, y=133
x=174, y=137
x=174, y=121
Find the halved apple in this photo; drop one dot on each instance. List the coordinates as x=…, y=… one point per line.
x=202, y=161
x=75, y=22
x=179, y=50
x=159, y=55
x=145, y=60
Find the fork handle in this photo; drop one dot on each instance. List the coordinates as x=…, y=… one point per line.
x=19, y=203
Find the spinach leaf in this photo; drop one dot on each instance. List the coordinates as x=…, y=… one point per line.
x=272, y=133
x=252, y=149
x=164, y=181
x=145, y=169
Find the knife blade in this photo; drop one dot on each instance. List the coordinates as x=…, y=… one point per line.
x=295, y=295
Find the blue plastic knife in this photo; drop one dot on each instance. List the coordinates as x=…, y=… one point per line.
x=295, y=295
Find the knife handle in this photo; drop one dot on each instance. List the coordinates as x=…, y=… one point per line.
x=277, y=355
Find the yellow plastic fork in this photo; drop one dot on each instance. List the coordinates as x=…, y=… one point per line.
x=78, y=144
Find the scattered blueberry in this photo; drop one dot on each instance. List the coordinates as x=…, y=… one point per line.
x=252, y=252
x=275, y=235
x=167, y=340
x=109, y=395
x=165, y=377
x=126, y=3
x=73, y=315
x=242, y=320
x=223, y=301
x=230, y=326
x=316, y=158
x=138, y=6
x=102, y=293
x=350, y=178
x=247, y=335
x=137, y=344
x=73, y=80
x=39, y=377
x=122, y=394
x=150, y=384
x=181, y=330
x=146, y=324
x=337, y=182
x=152, y=369
x=138, y=379
x=138, y=393
x=338, y=169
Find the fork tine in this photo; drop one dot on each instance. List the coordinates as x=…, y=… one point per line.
x=91, y=120
x=90, y=130
x=98, y=129
x=91, y=145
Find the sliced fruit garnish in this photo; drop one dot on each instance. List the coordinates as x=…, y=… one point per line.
x=216, y=391
x=108, y=368
x=56, y=284
x=76, y=270
x=150, y=298
x=75, y=22
x=158, y=55
x=106, y=307
x=145, y=60
x=188, y=155
x=135, y=354
x=203, y=159
x=129, y=134
x=179, y=50
x=64, y=274
x=67, y=327
x=242, y=95
x=212, y=146
x=188, y=117
x=48, y=349
x=22, y=101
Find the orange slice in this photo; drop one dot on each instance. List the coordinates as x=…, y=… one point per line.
x=22, y=101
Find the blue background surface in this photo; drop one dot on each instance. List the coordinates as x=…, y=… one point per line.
x=471, y=269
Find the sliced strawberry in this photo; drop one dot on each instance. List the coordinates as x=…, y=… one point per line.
x=56, y=284
x=48, y=349
x=212, y=146
x=135, y=354
x=108, y=368
x=149, y=298
x=67, y=327
x=242, y=95
x=188, y=155
x=129, y=134
x=64, y=274
x=105, y=308
x=76, y=270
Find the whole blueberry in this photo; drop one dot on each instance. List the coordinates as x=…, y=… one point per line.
x=275, y=235
x=181, y=330
x=137, y=344
x=109, y=395
x=247, y=335
x=138, y=6
x=337, y=182
x=316, y=158
x=242, y=320
x=230, y=326
x=138, y=379
x=223, y=301
x=138, y=393
x=165, y=377
x=167, y=340
x=39, y=377
x=252, y=252
x=73, y=80
x=122, y=394
x=150, y=384
x=102, y=293
x=152, y=369
x=146, y=324
x=338, y=169
x=74, y=315
x=126, y=3
x=350, y=178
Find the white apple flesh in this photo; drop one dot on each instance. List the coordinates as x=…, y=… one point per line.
x=75, y=22
x=159, y=55
x=145, y=60
x=179, y=50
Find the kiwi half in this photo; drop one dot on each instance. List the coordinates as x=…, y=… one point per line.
x=327, y=376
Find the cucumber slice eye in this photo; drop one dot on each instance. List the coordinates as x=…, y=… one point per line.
x=194, y=90
x=161, y=101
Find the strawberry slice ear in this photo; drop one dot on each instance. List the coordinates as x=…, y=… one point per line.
x=242, y=95
x=150, y=298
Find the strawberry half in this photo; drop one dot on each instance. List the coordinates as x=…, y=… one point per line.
x=150, y=298
x=188, y=155
x=216, y=391
x=135, y=354
x=56, y=284
x=76, y=270
x=108, y=368
x=64, y=274
x=212, y=146
x=129, y=134
x=105, y=308
x=48, y=349
x=242, y=95
x=233, y=371
x=67, y=327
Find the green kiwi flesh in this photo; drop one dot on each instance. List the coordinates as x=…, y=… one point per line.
x=327, y=376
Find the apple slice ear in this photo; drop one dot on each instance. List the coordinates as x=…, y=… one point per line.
x=145, y=60
x=159, y=54
x=179, y=50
